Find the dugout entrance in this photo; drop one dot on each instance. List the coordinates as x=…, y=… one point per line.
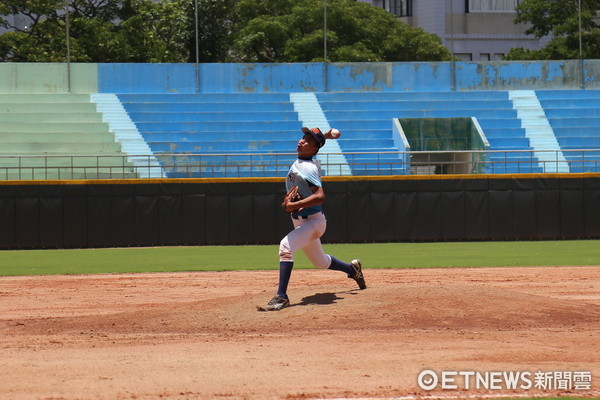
x=442, y=145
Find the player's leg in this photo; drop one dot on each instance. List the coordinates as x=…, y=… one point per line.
x=305, y=231
x=306, y=236
x=286, y=265
x=314, y=252
x=296, y=239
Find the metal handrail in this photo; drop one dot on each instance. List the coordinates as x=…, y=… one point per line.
x=200, y=165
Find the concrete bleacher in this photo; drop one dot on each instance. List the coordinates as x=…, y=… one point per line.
x=199, y=130
x=575, y=118
x=56, y=136
x=194, y=135
x=214, y=125
x=360, y=114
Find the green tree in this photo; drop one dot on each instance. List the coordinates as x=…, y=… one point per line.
x=39, y=40
x=559, y=18
x=215, y=29
x=100, y=31
x=293, y=31
x=228, y=30
x=154, y=32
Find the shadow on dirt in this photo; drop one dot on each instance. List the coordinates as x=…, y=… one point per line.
x=321, y=299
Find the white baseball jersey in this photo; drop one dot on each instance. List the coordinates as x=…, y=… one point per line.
x=304, y=173
x=310, y=224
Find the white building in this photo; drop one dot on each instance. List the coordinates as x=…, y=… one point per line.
x=473, y=30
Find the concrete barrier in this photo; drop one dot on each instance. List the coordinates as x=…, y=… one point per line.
x=48, y=78
x=298, y=77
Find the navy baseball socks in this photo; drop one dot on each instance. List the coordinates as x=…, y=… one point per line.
x=338, y=265
x=280, y=300
x=354, y=270
x=285, y=272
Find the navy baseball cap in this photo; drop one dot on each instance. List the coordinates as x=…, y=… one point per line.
x=316, y=134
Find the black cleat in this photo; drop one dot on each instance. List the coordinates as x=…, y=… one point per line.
x=358, y=274
x=275, y=304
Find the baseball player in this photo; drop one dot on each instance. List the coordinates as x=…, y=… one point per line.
x=308, y=219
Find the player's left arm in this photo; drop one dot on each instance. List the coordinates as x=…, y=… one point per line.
x=317, y=197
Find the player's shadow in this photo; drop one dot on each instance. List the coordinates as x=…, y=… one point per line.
x=321, y=299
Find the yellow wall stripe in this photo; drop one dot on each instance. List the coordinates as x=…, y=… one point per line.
x=327, y=178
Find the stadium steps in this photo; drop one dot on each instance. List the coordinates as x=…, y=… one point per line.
x=267, y=123
x=311, y=115
x=126, y=133
x=575, y=118
x=214, y=123
x=358, y=114
x=538, y=131
x=35, y=99
x=42, y=134
x=47, y=108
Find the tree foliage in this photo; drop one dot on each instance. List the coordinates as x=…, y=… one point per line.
x=108, y=31
x=560, y=19
x=215, y=29
x=228, y=31
x=100, y=31
x=293, y=31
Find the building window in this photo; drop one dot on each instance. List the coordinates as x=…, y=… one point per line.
x=401, y=8
x=463, y=57
x=492, y=5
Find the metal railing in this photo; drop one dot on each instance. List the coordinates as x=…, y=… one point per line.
x=65, y=167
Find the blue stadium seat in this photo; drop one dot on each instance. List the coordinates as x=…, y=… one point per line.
x=256, y=123
x=242, y=123
x=574, y=116
x=371, y=113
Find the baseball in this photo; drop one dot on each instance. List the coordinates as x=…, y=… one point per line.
x=335, y=133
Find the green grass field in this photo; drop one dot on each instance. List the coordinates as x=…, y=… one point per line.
x=373, y=255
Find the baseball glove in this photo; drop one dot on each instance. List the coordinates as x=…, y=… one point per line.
x=291, y=196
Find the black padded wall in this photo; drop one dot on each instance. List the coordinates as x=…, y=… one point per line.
x=369, y=209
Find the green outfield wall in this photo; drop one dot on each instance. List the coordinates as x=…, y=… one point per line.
x=116, y=213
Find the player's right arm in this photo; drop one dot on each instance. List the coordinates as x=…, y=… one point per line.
x=332, y=134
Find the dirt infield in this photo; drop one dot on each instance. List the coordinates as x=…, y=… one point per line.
x=199, y=336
